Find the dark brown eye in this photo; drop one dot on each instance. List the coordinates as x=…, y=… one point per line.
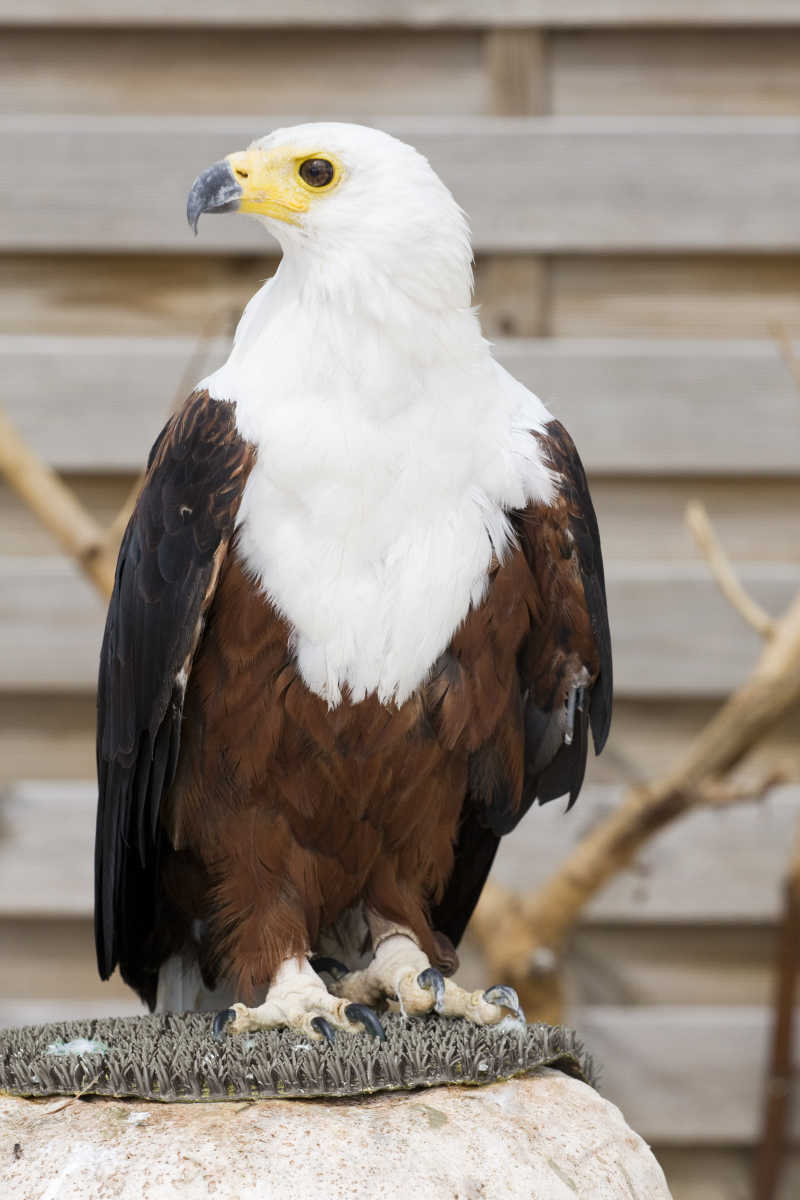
x=316, y=172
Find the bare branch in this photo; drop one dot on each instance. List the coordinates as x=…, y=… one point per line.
x=56, y=506
x=788, y=351
x=720, y=793
x=711, y=548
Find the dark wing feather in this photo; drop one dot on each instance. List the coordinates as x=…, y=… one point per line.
x=583, y=528
x=167, y=569
x=568, y=644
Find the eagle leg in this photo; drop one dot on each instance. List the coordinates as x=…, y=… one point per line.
x=298, y=999
x=401, y=975
x=324, y=965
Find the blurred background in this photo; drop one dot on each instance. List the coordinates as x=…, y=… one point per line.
x=631, y=173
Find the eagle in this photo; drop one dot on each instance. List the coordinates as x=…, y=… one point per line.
x=358, y=623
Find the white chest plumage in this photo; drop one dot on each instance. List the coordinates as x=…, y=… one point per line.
x=385, y=465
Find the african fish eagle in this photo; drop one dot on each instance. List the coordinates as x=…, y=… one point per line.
x=358, y=623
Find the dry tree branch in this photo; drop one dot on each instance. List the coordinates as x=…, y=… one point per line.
x=57, y=507
x=520, y=934
x=729, y=584
x=786, y=346
x=55, y=503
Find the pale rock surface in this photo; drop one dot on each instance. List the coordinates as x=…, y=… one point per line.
x=546, y=1137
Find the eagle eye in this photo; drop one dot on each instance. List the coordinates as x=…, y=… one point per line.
x=317, y=172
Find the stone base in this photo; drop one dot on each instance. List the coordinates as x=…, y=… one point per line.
x=544, y=1137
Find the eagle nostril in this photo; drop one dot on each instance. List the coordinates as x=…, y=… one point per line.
x=240, y=171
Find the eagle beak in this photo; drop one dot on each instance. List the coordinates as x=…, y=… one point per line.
x=216, y=190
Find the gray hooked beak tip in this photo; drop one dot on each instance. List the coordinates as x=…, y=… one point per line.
x=216, y=190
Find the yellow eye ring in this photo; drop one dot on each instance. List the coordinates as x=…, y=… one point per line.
x=318, y=173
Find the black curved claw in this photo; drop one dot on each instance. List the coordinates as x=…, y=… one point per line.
x=504, y=997
x=433, y=981
x=363, y=1013
x=221, y=1022
x=321, y=963
x=325, y=1028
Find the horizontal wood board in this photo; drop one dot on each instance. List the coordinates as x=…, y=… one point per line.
x=697, y=296
x=415, y=13
x=691, y=1076
x=381, y=72
x=673, y=71
x=334, y=72
x=120, y=183
x=719, y=1173
x=720, y=866
x=636, y=407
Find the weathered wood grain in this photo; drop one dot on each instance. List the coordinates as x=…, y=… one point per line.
x=415, y=13
x=517, y=64
x=333, y=72
x=622, y=398
x=633, y=407
x=674, y=296
x=674, y=635
x=126, y=294
x=713, y=866
x=721, y=1173
x=635, y=964
x=673, y=72
x=382, y=72
x=513, y=292
x=670, y=964
x=24, y=1010
x=49, y=736
x=643, y=519
x=690, y=1076
x=566, y=183
x=35, y=953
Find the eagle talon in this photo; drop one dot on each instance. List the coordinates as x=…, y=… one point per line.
x=433, y=981
x=324, y=1028
x=322, y=964
x=504, y=997
x=363, y=1014
x=221, y=1022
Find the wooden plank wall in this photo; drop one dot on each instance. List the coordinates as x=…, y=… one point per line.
x=632, y=175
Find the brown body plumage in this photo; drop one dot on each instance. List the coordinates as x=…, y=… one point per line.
x=284, y=813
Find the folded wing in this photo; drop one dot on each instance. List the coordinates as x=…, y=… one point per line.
x=167, y=571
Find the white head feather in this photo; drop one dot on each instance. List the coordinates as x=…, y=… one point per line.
x=390, y=443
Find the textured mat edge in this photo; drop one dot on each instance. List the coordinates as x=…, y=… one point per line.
x=173, y=1058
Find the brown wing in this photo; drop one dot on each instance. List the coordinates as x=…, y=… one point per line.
x=563, y=681
x=166, y=574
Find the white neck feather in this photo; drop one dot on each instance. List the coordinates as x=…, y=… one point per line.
x=390, y=444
